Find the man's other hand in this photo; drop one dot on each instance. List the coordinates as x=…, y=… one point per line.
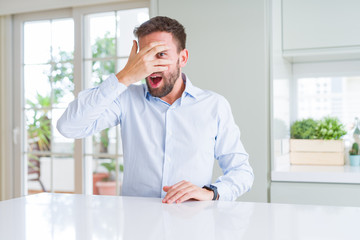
x=185, y=190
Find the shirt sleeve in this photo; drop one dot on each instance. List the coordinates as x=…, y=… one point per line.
x=233, y=159
x=95, y=109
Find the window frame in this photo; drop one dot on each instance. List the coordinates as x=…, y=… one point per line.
x=77, y=14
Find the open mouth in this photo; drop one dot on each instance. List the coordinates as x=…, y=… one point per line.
x=154, y=80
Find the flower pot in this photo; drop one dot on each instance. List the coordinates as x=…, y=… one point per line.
x=355, y=160
x=317, y=152
x=96, y=178
x=106, y=188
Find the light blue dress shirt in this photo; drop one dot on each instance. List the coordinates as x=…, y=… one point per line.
x=164, y=144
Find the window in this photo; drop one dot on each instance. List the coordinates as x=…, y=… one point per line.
x=107, y=44
x=48, y=89
x=315, y=90
x=55, y=68
x=328, y=89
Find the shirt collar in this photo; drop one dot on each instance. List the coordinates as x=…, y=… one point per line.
x=190, y=89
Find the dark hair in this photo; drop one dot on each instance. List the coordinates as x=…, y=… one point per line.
x=163, y=24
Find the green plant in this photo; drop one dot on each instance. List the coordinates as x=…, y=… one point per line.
x=354, y=149
x=329, y=128
x=39, y=127
x=103, y=47
x=303, y=129
x=111, y=168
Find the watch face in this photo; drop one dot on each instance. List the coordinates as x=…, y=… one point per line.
x=213, y=187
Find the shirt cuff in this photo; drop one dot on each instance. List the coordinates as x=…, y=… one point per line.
x=112, y=86
x=224, y=191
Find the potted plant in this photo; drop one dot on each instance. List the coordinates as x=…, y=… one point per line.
x=354, y=155
x=103, y=141
x=303, y=129
x=317, y=142
x=97, y=177
x=107, y=186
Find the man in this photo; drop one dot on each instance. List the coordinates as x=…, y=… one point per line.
x=171, y=130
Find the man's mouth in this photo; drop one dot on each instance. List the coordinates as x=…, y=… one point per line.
x=154, y=80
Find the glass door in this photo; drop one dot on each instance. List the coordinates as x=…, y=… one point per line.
x=108, y=41
x=48, y=88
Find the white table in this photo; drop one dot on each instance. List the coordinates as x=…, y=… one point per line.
x=66, y=216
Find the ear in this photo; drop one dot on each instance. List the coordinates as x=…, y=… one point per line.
x=184, y=55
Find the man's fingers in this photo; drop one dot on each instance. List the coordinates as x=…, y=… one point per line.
x=180, y=193
x=185, y=190
x=185, y=197
x=133, y=49
x=152, y=45
x=170, y=190
x=161, y=62
x=155, y=50
x=159, y=69
x=175, y=189
x=176, y=184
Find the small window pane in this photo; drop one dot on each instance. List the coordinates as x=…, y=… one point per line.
x=102, y=35
x=127, y=21
x=37, y=42
x=104, y=175
x=104, y=142
x=38, y=129
x=63, y=39
x=329, y=96
x=63, y=84
x=100, y=71
x=63, y=174
x=37, y=85
x=38, y=173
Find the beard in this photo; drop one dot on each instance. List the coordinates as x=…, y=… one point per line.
x=168, y=83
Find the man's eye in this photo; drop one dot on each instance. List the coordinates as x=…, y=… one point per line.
x=161, y=54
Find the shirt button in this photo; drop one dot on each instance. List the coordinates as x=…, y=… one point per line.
x=168, y=159
x=170, y=133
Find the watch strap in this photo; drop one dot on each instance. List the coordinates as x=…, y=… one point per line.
x=212, y=188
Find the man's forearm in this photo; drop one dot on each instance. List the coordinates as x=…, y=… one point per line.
x=238, y=178
x=92, y=111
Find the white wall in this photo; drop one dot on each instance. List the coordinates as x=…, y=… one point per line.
x=227, y=42
x=312, y=24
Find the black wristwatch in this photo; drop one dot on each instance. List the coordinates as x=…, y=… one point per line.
x=212, y=188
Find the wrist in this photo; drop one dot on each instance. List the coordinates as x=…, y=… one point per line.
x=213, y=190
x=122, y=78
x=209, y=194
